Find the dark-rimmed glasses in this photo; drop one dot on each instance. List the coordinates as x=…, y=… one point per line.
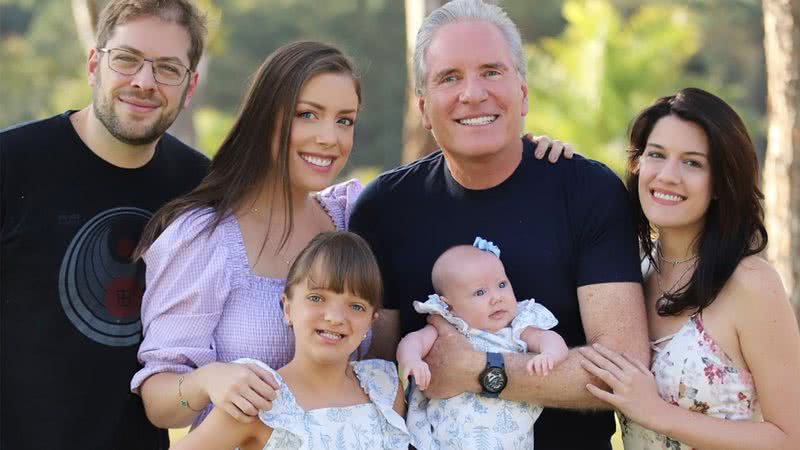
x=126, y=62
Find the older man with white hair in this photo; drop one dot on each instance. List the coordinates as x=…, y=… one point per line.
x=565, y=229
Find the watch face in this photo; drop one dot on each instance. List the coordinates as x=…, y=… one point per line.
x=494, y=379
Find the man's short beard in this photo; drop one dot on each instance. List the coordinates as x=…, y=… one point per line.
x=104, y=111
x=116, y=129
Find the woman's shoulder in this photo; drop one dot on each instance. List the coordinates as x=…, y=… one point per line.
x=338, y=201
x=192, y=236
x=191, y=224
x=756, y=275
x=755, y=287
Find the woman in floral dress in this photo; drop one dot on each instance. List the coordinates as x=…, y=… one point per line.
x=725, y=340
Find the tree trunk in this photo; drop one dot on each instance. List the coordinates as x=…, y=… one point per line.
x=782, y=165
x=85, y=14
x=417, y=141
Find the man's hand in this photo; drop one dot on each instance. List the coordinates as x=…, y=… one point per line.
x=453, y=364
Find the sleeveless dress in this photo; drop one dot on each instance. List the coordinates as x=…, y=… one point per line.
x=694, y=373
x=367, y=426
x=469, y=420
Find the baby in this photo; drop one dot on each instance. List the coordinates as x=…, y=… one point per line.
x=474, y=294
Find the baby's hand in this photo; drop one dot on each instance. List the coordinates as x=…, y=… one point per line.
x=421, y=372
x=541, y=364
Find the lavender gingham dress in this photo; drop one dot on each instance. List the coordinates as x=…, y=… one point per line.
x=203, y=304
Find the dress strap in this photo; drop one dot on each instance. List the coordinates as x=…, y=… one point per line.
x=655, y=344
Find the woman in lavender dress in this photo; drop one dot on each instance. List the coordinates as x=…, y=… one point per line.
x=217, y=258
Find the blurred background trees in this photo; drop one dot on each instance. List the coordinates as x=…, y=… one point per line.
x=592, y=65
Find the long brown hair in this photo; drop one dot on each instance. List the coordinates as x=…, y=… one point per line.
x=244, y=160
x=734, y=222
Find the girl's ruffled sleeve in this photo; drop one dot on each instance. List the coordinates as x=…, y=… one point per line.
x=531, y=314
x=188, y=280
x=285, y=418
x=379, y=379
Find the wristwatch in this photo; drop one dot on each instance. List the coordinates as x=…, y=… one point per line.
x=493, y=378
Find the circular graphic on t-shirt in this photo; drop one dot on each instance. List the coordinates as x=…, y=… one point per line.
x=100, y=288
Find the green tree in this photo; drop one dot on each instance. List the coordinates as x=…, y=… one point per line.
x=42, y=69
x=588, y=83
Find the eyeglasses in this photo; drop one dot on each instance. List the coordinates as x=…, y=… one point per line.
x=128, y=63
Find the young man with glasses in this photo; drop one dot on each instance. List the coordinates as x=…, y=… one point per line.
x=75, y=192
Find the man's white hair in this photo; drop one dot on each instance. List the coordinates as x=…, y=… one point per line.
x=465, y=11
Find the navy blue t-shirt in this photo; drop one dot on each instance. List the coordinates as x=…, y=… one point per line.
x=559, y=226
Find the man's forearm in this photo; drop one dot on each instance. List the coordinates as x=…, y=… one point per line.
x=564, y=387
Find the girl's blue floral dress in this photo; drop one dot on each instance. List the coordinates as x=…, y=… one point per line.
x=472, y=421
x=368, y=426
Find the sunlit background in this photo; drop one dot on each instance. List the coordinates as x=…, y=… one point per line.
x=592, y=64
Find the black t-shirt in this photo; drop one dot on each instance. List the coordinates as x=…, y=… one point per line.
x=69, y=296
x=558, y=227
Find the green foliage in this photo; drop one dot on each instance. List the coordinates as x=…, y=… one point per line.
x=42, y=61
x=364, y=174
x=370, y=31
x=588, y=83
x=212, y=125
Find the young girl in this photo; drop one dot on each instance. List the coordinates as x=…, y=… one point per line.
x=725, y=339
x=323, y=400
x=474, y=294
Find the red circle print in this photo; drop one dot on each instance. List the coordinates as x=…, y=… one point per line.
x=123, y=297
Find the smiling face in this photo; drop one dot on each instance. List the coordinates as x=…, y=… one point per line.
x=322, y=130
x=328, y=326
x=475, y=285
x=474, y=100
x=135, y=109
x=675, y=175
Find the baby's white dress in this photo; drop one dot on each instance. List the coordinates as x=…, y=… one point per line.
x=472, y=421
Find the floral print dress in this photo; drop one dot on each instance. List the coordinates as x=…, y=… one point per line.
x=471, y=421
x=367, y=426
x=692, y=372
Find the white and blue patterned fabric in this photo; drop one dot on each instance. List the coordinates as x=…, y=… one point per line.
x=367, y=426
x=472, y=421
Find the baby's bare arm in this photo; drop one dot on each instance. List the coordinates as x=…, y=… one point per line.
x=545, y=341
x=415, y=346
x=410, y=352
x=549, y=347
